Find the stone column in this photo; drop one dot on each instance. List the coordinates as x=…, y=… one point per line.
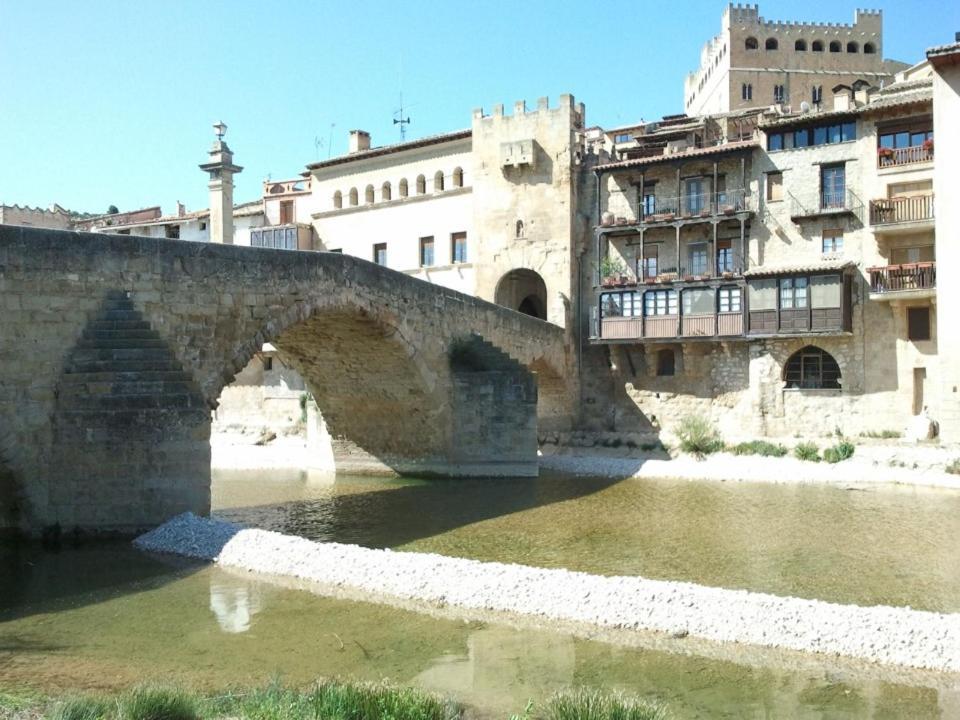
x=221, y=170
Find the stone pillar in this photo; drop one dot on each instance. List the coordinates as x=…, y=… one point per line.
x=221, y=170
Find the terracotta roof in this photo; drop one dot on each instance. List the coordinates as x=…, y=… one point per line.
x=900, y=99
x=808, y=267
x=696, y=152
x=388, y=149
x=944, y=50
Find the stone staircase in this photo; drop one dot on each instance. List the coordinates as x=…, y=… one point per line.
x=477, y=355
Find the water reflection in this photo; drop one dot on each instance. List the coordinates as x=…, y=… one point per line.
x=234, y=602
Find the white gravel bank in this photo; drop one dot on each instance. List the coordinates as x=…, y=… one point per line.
x=752, y=468
x=899, y=636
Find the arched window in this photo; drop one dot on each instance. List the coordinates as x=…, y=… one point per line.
x=812, y=368
x=368, y=195
x=817, y=46
x=354, y=198
x=458, y=177
x=835, y=46
x=852, y=47
x=746, y=91
x=421, y=184
x=771, y=44
x=519, y=228
x=438, y=181
x=404, y=190
x=338, y=200
x=800, y=46
x=869, y=48
x=386, y=192
x=779, y=93
x=816, y=94
x=666, y=363
x=751, y=43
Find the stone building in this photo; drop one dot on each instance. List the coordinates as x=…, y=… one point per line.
x=754, y=62
x=773, y=270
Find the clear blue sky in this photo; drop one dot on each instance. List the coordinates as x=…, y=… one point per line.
x=111, y=102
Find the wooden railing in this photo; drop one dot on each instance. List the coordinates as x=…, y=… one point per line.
x=891, y=157
x=900, y=278
x=665, y=327
x=900, y=210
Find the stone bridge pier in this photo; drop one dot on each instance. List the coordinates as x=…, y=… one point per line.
x=115, y=350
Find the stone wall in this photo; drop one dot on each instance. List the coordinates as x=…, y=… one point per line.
x=371, y=344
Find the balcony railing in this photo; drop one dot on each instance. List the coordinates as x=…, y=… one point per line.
x=901, y=210
x=826, y=203
x=903, y=278
x=892, y=157
x=667, y=327
x=700, y=205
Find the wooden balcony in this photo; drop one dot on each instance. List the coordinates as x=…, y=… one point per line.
x=889, y=212
x=911, y=280
x=896, y=157
x=704, y=326
x=685, y=209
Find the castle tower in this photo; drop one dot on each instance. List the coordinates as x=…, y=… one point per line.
x=221, y=170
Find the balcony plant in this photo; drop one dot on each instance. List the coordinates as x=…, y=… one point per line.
x=885, y=155
x=611, y=270
x=928, y=145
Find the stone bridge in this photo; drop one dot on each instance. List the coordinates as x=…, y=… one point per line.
x=114, y=351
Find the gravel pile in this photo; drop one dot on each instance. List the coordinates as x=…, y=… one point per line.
x=899, y=636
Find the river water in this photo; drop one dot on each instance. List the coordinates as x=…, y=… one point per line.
x=104, y=616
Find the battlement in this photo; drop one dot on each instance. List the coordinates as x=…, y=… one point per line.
x=565, y=103
x=735, y=14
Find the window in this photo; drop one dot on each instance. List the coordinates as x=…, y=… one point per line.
x=852, y=47
x=286, y=212
x=762, y=294
x=833, y=186
x=619, y=304
x=426, y=251
x=730, y=299
x=648, y=263
x=698, y=301
x=666, y=363
x=817, y=46
x=751, y=43
x=458, y=247
x=337, y=200
x=354, y=197
x=519, y=229
x=775, y=141
x=869, y=48
x=826, y=291
x=660, y=302
x=800, y=45
x=909, y=136
x=832, y=241
x=724, y=256
x=812, y=368
x=622, y=138
x=458, y=177
x=203, y=226
x=694, y=198
x=421, y=185
x=907, y=255
x=380, y=254
x=649, y=199
x=746, y=91
x=918, y=323
x=793, y=293
x=816, y=94
x=386, y=191
x=279, y=238
x=774, y=186
x=801, y=138
x=779, y=93
x=404, y=189
x=438, y=181
x=771, y=44
x=818, y=135
x=698, y=259
x=368, y=195
x=835, y=46
x=171, y=232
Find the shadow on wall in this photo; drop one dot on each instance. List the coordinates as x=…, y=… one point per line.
x=540, y=174
x=9, y=501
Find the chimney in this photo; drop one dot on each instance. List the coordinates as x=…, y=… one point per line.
x=359, y=140
x=181, y=209
x=841, y=97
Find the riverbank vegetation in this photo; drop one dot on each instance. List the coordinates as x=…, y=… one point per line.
x=326, y=700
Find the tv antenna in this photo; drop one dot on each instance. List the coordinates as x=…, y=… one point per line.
x=400, y=120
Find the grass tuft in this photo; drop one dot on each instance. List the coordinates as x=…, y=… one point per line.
x=597, y=705
x=882, y=434
x=807, y=451
x=698, y=436
x=840, y=452
x=155, y=703
x=81, y=708
x=759, y=447
x=953, y=467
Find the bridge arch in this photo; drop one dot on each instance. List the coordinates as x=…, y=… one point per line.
x=523, y=290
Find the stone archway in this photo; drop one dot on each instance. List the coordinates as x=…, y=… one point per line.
x=523, y=290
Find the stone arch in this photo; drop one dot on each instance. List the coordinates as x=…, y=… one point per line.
x=771, y=44
x=438, y=181
x=869, y=48
x=812, y=368
x=853, y=47
x=337, y=200
x=751, y=43
x=835, y=46
x=404, y=188
x=421, y=185
x=523, y=290
x=386, y=192
x=817, y=46
x=457, y=179
x=354, y=197
x=368, y=195
x=800, y=45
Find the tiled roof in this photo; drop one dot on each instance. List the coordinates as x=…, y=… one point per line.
x=807, y=267
x=944, y=50
x=696, y=152
x=388, y=149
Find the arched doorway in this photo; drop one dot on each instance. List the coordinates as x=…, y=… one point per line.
x=524, y=291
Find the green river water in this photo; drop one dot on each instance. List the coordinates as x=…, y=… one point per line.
x=105, y=616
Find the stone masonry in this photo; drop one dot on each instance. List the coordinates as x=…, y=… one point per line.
x=89, y=321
